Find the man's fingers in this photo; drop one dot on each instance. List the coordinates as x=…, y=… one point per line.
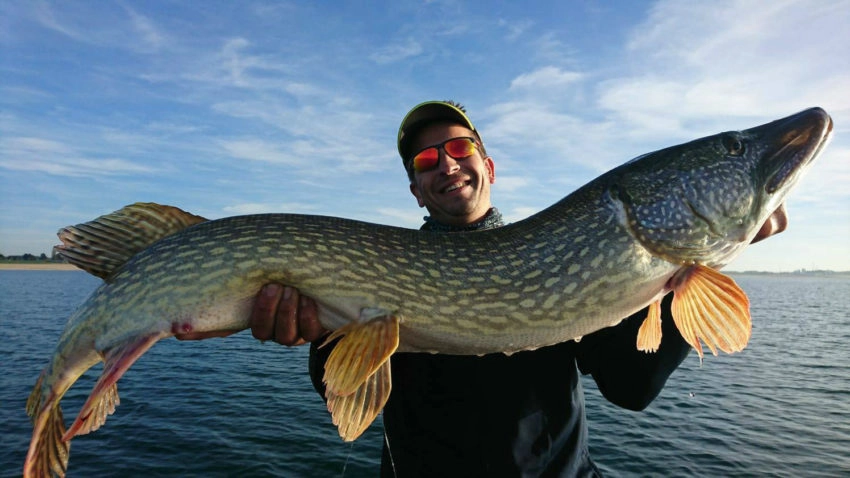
x=282, y=314
x=262, y=320
x=776, y=223
x=308, y=320
x=286, y=323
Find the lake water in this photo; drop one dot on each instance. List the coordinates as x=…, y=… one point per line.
x=237, y=407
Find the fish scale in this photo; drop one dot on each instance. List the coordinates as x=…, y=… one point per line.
x=663, y=221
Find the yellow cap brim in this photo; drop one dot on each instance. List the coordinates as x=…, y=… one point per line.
x=424, y=113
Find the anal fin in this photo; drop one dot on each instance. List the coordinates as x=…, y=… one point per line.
x=357, y=373
x=104, y=397
x=649, y=334
x=710, y=306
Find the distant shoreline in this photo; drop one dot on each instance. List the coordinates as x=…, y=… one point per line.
x=38, y=266
x=62, y=266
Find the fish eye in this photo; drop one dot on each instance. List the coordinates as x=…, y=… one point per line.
x=734, y=144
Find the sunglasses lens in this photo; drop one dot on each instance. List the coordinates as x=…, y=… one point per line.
x=426, y=159
x=460, y=148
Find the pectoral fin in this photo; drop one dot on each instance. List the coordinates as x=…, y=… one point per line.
x=709, y=306
x=352, y=414
x=104, y=397
x=649, y=334
x=357, y=373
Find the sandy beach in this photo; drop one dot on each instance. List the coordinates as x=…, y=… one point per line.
x=38, y=267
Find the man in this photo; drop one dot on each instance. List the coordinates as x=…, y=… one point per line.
x=496, y=415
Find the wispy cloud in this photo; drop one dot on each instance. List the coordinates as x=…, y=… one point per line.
x=126, y=28
x=36, y=154
x=515, y=28
x=396, y=51
x=512, y=183
x=259, y=150
x=294, y=106
x=263, y=208
x=151, y=36
x=751, y=67
x=546, y=77
x=47, y=17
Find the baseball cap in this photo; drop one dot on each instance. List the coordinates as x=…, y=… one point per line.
x=424, y=113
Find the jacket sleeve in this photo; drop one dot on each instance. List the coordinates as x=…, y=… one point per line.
x=626, y=376
x=316, y=364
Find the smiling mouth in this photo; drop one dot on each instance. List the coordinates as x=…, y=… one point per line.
x=455, y=186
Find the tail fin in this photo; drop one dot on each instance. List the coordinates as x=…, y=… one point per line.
x=48, y=453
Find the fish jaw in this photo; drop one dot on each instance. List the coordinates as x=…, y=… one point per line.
x=798, y=140
x=704, y=201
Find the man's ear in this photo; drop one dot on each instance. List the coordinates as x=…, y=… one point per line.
x=415, y=191
x=491, y=169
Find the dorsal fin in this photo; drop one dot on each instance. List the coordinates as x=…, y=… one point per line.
x=103, y=245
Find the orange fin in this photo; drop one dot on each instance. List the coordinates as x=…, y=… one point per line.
x=649, y=334
x=352, y=414
x=48, y=453
x=104, y=397
x=357, y=372
x=100, y=247
x=709, y=306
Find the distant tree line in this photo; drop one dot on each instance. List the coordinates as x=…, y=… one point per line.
x=29, y=258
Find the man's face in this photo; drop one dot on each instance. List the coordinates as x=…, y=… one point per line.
x=457, y=191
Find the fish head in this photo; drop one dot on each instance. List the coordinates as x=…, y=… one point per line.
x=704, y=201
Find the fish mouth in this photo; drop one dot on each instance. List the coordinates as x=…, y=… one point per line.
x=799, y=139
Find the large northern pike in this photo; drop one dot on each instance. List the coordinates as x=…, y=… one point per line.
x=664, y=221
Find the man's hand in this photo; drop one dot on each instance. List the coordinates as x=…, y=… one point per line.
x=776, y=223
x=282, y=314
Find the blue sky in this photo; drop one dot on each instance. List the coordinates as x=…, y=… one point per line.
x=225, y=108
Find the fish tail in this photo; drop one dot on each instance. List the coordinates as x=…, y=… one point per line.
x=48, y=452
x=35, y=398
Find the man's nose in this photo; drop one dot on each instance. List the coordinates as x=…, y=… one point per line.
x=448, y=164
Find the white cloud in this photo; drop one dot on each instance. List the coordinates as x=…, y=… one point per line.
x=397, y=51
x=130, y=31
x=258, y=150
x=519, y=213
x=53, y=157
x=744, y=58
x=46, y=16
x=151, y=36
x=511, y=183
x=263, y=208
x=76, y=167
x=545, y=78
x=400, y=217
x=515, y=28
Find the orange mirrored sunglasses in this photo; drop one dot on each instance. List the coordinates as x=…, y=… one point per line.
x=458, y=148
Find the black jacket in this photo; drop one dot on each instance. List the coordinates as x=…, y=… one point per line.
x=517, y=415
